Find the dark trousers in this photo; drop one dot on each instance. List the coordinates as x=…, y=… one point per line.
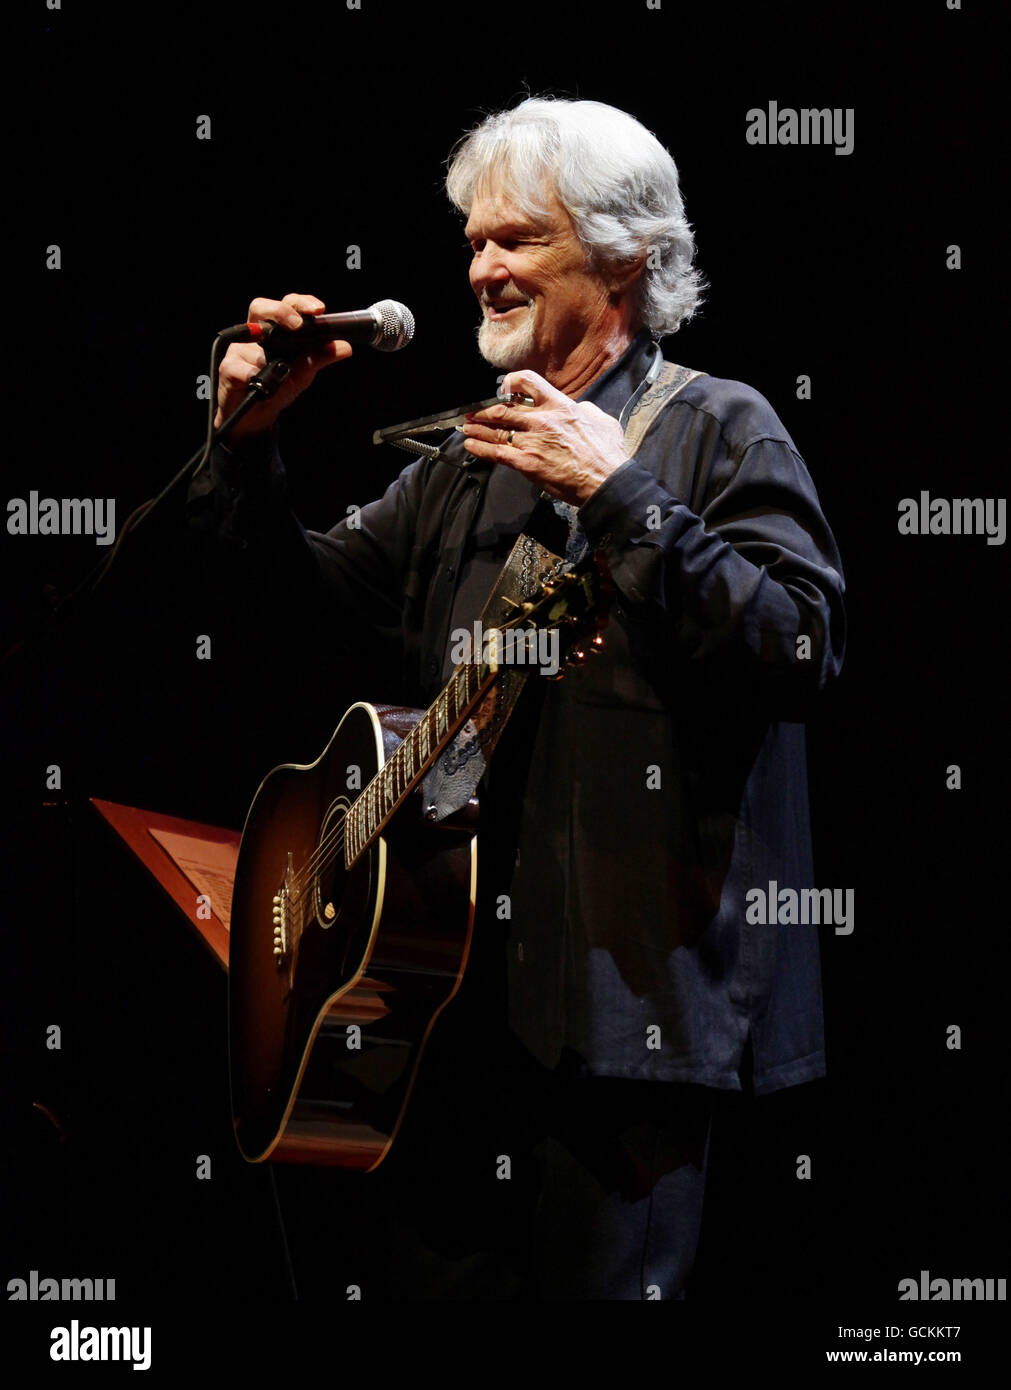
x=507, y=1182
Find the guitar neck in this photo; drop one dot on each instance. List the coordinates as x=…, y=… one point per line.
x=423, y=746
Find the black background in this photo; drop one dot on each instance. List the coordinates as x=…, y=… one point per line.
x=330, y=128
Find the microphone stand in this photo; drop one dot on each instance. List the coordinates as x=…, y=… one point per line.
x=261, y=387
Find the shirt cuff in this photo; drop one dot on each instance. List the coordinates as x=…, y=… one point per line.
x=616, y=512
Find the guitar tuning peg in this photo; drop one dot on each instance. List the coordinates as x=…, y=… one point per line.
x=597, y=644
x=549, y=590
x=576, y=657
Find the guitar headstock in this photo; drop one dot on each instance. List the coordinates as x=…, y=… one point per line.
x=569, y=609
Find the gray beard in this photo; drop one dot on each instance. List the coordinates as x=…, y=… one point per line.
x=508, y=349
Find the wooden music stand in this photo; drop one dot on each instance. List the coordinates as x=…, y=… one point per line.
x=193, y=862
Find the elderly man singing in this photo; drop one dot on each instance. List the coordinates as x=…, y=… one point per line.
x=628, y=809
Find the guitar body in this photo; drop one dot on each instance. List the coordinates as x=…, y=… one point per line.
x=336, y=976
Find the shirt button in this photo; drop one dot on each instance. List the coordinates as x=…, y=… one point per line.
x=450, y=571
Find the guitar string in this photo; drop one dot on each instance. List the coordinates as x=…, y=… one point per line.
x=331, y=843
x=485, y=678
x=328, y=846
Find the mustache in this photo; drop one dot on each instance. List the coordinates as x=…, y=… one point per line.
x=513, y=300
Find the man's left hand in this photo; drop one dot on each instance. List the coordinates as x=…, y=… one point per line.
x=567, y=447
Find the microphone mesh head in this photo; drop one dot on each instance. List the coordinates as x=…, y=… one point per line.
x=396, y=326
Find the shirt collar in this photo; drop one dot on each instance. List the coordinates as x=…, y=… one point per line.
x=611, y=390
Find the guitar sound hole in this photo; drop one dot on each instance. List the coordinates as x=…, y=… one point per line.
x=328, y=880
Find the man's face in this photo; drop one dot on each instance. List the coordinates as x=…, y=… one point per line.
x=540, y=300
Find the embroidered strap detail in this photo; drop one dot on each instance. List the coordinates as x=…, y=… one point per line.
x=671, y=380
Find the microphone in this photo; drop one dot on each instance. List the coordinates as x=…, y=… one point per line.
x=385, y=325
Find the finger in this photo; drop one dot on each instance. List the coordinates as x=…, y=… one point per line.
x=488, y=434
x=498, y=452
x=287, y=312
x=242, y=373
x=337, y=351
x=240, y=365
x=527, y=383
x=274, y=310
x=510, y=417
x=508, y=456
x=243, y=352
x=322, y=355
x=304, y=303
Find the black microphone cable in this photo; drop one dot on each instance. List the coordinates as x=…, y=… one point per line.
x=263, y=385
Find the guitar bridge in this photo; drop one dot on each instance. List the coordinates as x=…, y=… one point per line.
x=281, y=924
x=282, y=916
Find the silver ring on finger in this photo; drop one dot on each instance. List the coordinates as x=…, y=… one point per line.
x=509, y=436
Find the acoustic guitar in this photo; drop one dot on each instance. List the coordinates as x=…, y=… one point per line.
x=353, y=909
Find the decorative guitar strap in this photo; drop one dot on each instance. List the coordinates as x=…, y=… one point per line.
x=454, y=778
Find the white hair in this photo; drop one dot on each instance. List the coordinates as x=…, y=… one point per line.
x=613, y=177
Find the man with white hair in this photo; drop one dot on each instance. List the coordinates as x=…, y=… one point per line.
x=630, y=809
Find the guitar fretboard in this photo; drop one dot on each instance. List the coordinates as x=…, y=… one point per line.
x=415, y=755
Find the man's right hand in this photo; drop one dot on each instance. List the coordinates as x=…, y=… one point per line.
x=242, y=361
